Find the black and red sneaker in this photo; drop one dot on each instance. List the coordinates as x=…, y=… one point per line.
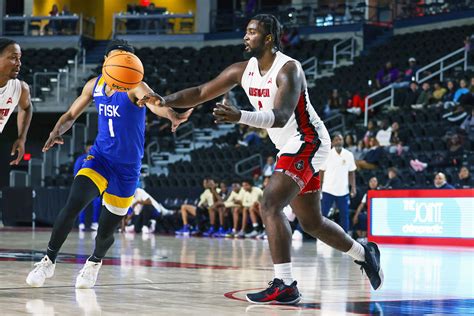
x=371, y=265
x=277, y=292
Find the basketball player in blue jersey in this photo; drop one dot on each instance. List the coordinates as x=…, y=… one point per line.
x=276, y=87
x=111, y=169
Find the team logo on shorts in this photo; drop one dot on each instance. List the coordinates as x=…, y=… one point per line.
x=299, y=165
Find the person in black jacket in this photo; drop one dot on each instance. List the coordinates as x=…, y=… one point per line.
x=394, y=181
x=464, y=180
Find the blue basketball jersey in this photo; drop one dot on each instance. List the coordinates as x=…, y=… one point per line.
x=121, y=132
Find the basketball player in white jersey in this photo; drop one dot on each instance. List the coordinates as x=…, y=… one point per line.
x=13, y=92
x=276, y=87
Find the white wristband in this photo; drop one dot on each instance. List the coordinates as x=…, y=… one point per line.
x=261, y=119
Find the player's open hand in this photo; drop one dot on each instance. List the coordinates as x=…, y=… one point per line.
x=53, y=139
x=18, y=146
x=178, y=118
x=226, y=113
x=151, y=98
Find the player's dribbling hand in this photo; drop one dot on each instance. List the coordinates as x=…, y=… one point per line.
x=52, y=140
x=225, y=113
x=178, y=118
x=151, y=98
x=18, y=146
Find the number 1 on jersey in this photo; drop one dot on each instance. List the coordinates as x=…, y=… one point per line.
x=111, y=128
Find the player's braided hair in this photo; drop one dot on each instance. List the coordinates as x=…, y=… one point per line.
x=5, y=42
x=119, y=44
x=272, y=26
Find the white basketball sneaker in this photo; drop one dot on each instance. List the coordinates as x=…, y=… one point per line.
x=43, y=270
x=88, y=275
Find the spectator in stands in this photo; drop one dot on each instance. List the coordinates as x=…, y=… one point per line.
x=371, y=131
x=440, y=181
x=438, y=92
x=53, y=25
x=467, y=126
x=384, y=134
x=361, y=150
x=206, y=201
x=67, y=27
x=410, y=96
x=349, y=143
x=464, y=180
x=461, y=90
x=359, y=220
x=394, y=181
x=144, y=212
x=97, y=203
x=450, y=92
x=397, y=140
x=334, y=104
x=408, y=76
x=371, y=159
x=423, y=98
x=386, y=75
x=269, y=167
x=337, y=173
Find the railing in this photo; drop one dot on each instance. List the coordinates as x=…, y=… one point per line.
x=52, y=75
x=32, y=25
x=441, y=63
x=183, y=131
x=258, y=164
x=18, y=178
x=341, y=126
x=123, y=23
x=311, y=65
x=380, y=93
x=80, y=57
x=339, y=49
x=386, y=94
x=149, y=151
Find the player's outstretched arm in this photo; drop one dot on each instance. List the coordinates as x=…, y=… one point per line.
x=176, y=118
x=194, y=96
x=25, y=112
x=66, y=121
x=290, y=81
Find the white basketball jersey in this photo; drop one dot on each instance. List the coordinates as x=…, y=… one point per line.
x=261, y=91
x=9, y=97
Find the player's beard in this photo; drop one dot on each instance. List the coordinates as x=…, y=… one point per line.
x=253, y=52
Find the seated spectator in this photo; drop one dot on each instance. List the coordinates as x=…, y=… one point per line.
x=144, y=212
x=440, y=181
x=359, y=220
x=269, y=167
x=371, y=131
x=460, y=91
x=384, y=134
x=371, y=159
x=464, y=180
x=290, y=38
x=450, y=91
x=410, y=96
x=206, y=202
x=361, y=150
x=408, y=75
x=467, y=126
x=397, y=140
x=386, y=75
x=349, y=143
x=424, y=97
x=394, y=181
x=334, y=104
x=251, y=137
x=438, y=92
x=233, y=202
x=67, y=27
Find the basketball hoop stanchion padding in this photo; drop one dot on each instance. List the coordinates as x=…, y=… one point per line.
x=421, y=217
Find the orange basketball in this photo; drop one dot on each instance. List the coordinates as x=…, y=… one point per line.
x=122, y=71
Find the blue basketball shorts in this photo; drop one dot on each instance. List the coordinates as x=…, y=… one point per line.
x=116, y=182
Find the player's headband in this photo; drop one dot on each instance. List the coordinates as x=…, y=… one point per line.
x=126, y=48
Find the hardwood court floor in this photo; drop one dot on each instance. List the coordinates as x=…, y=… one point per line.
x=164, y=275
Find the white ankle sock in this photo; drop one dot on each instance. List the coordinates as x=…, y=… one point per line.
x=357, y=251
x=283, y=272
